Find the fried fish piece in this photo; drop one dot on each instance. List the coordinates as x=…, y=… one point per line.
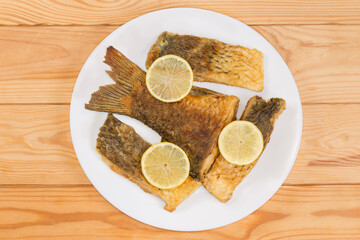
x=223, y=176
x=194, y=123
x=212, y=60
x=122, y=148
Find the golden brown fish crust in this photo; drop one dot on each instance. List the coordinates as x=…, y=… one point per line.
x=212, y=60
x=122, y=148
x=223, y=176
x=194, y=123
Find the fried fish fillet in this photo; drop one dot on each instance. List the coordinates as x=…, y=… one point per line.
x=223, y=176
x=122, y=148
x=194, y=123
x=212, y=60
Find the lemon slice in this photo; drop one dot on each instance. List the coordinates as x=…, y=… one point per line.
x=165, y=165
x=169, y=78
x=241, y=142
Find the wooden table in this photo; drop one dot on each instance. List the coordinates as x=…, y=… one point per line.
x=44, y=193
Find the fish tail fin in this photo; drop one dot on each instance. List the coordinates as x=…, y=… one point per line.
x=122, y=69
x=116, y=98
x=113, y=98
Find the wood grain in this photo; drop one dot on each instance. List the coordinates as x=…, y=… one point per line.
x=323, y=60
x=35, y=146
x=44, y=194
x=295, y=212
x=330, y=146
x=95, y=12
x=42, y=63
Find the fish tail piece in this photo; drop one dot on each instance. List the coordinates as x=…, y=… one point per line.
x=116, y=98
x=122, y=69
x=113, y=98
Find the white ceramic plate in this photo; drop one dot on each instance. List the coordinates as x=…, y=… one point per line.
x=200, y=211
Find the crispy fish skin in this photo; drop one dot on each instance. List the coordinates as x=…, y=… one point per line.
x=212, y=60
x=122, y=148
x=122, y=68
x=223, y=176
x=194, y=123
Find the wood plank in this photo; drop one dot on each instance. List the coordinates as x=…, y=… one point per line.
x=41, y=64
x=95, y=12
x=311, y=212
x=323, y=60
x=330, y=146
x=35, y=146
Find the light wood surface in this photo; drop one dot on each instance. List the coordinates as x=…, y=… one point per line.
x=44, y=193
x=95, y=12
x=42, y=63
x=38, y=150
x=295, y=212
